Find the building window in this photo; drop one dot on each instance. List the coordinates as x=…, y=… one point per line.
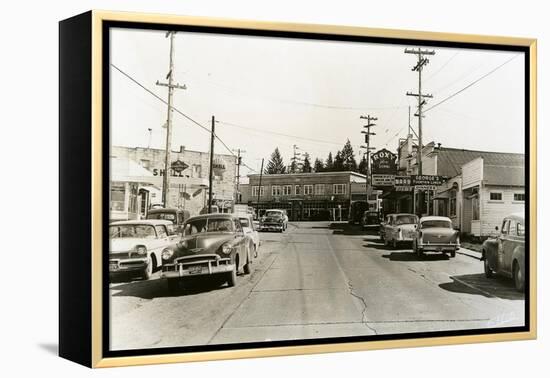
x=495, y=196
x=117, y=196
x=519, y=197
x=297, y=190
x=319, y=189
x=287, y=190
x=339, y=188
x=452, y=203
x=275, y=190
x=308, y=190
x=255, y=191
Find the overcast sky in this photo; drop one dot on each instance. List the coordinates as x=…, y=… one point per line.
x=275, y=92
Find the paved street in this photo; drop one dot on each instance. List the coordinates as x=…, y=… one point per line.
x=318, y=280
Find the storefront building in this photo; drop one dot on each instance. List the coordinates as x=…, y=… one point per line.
x=305, y=196
x=138, y=183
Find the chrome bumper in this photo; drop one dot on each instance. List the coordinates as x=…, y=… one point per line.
x=439, y=247
x=196, y=266
x=127, y=265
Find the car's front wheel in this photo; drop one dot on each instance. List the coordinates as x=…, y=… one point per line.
x=519, y=279
x=232, y=277
x=487, y=268
x=149, y=269
x=246, y=267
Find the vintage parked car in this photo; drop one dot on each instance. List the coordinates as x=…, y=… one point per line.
x=135, y=247
x=370, y=218
x=249, y=229
x=274, y=220
x=505, y=254
x=176, y=216
x=399, y=228
x=436, y=234
x=212, y=245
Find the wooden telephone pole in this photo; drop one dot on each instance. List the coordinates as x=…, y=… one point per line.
x=421, y=62
x=368, y=147
x=171, y=86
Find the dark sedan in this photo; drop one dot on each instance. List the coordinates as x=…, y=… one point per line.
x=212, y=245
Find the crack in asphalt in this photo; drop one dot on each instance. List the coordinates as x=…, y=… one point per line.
x=364, y=312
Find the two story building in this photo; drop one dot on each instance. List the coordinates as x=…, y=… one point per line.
x=305, y=196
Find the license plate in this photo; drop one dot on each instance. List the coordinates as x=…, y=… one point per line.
x=113, y=266
x=195, y=269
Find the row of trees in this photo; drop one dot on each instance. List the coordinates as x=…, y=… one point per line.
x=344, y=160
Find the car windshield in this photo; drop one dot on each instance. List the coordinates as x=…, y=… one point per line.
x=406, y=219
x=142, y=231
x=273, y=214
x=244, y=222
x=165, y=216
x=199, y=226
x=435, y=223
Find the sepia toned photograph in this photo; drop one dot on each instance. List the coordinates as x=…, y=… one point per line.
x=275, y=189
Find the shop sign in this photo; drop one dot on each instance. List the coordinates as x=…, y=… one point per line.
x=384, y=162
x=178, y=166
x=383, y=180
x=403, y=184
x=427, y=181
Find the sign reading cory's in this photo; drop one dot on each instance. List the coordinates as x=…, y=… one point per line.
x=383, y=162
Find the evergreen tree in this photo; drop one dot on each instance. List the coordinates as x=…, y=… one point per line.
x=329, y=165
x=306, y=166
x=293, y=168
x=275, y=164
x=338, y=165
x=348, y=158
x=318, y=165
x=363, y=165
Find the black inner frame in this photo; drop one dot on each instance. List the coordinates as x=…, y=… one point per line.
x=107, y=25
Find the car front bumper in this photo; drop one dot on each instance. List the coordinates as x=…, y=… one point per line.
x=271, y=227
x=439, y=247
x=119, y=266
x=193, y=266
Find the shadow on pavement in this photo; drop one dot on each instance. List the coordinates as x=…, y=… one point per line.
x=478, y=284
x=351, y=229
x=410, y=256
x=158, y=288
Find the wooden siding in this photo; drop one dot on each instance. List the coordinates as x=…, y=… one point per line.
x=492, y=212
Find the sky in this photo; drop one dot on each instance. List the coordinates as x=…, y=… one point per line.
x=276, y=92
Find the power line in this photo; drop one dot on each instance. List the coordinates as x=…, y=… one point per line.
x=295, y=102
x=472, y=83
x=280, y=134
x=441, y=68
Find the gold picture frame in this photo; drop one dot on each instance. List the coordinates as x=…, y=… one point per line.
x=89, y=329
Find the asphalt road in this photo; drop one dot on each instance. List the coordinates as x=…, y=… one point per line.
x=318, y=280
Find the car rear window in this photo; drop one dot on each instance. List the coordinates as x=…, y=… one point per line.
x=406, y=219
x=435, y=223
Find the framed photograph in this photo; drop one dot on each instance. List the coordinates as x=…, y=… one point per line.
x=234, y=189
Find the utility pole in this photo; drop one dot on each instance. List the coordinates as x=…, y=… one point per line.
x=368, y=147
x=171, y=86
x=260, y=189
x=239, y=162
x=421, y=62
x=211, y=173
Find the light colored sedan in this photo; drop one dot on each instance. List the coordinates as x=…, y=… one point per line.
x=436, y=234
x=250, y=230
x=399, y=228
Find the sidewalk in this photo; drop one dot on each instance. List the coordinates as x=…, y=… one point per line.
x=470, y=249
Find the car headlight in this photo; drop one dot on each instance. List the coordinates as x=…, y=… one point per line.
x=141, y=250
x=226, y=249
x=167, y=254
x=280, y=221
